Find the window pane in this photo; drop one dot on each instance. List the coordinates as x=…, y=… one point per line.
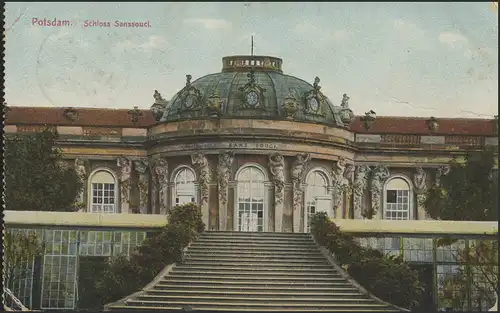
x=251, y=191
x=391, y=196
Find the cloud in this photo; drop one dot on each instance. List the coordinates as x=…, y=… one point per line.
x=209, y=23
x=153, y=42
x=408, y=28
x=316, y=32
x=452, y=38
x=471, y=50
x=33, y=32
x=62, y=33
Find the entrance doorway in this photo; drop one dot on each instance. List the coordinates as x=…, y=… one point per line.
x=250, y=205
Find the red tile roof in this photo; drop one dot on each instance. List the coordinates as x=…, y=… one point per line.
x=86, y=117
x=121, y=118
x=418, y=126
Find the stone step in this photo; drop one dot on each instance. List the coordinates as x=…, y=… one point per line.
x=262, y=274
x=243, y=303
x=253, y=249
x=248, y=245
x=246, y=309
x=276, y=256
x=252, y=269
x=254, y=234
x=270, y=293
x=254, y=253
x=318, y=264
x=269, y=279
x=256, y=240
x=251, y=245
x=254, y=299
x=254, y=261
x=196, y=281
x=179, y=287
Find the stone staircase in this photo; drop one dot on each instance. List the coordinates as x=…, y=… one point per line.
x=242, y=271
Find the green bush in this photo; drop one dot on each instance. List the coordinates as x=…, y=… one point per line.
x=119, y=279
x=387, y=277
x=90, y=267
x=189, y=215
x=123, y=276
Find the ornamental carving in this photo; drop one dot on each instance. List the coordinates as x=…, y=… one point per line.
x=71, y=114
x=432, y=124
x=379, y=176
x=290, y=106
x=276, y=167
x=342, y=180
x=81, y=169
x=142, y=166
x=81, y=166
x=224, y=172
x=214, y=104
x=252, y=95
x=359, y=186
x=298, y=171
x=135, y=114
x=124, y=168
x=346, y=114
x=200, y=162
x=420, y=183
x=101, y=131
x=159, y=172
x=368, y=119
x=440, y=172
x=62, y=164
x=35, y=128
x=190, y=96
x=159, y=105
x=315, y=101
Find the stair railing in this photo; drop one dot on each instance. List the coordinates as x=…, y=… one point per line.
x=15, y=300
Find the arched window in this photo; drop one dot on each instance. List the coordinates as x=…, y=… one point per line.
x=317, y=198
x=103, y=192
x=397, y=199
x=251, y=190
x=184, y=186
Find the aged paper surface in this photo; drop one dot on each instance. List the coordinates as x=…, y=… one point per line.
x=258, y=114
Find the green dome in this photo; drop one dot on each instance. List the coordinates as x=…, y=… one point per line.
x=252, y=87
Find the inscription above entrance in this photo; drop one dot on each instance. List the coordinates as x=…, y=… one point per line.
x=255, y=145
x=227, y=145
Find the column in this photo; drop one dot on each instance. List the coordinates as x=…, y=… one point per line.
x=200, y=162
x=298, y=200
x=298, y=170
x=81, y=166
x=142, y=168
x=276, y=166
x=224, y=167
x=124, y=168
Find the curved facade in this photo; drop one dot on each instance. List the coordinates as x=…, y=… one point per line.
x=258, y=149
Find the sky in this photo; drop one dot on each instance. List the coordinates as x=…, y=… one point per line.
x=398, y=59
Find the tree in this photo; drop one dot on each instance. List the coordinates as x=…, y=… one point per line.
x=478, y=276
x=469, y=192
x=36, y=176
x=19, y=251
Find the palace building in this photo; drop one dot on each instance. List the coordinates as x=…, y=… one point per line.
x=258, y=149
